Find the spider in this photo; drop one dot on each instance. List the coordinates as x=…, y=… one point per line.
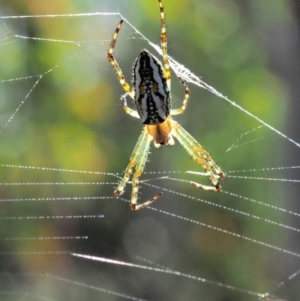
x=152, y=98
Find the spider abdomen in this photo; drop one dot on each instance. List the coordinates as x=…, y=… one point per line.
x=152, y=95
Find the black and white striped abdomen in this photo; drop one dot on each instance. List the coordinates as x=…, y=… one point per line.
x=152, y=95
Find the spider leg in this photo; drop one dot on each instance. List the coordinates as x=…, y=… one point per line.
x=132, y=162
x=140, y=163
x=163, y=38
x=137, y=161
x=128, y=110
x=199, y=155
x=185, y=100
x=113, y=61
x=147, y=203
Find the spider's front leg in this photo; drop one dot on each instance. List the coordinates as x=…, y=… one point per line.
x=132, y=162
x=137, y=161
x=140, y=164
x=198, y=153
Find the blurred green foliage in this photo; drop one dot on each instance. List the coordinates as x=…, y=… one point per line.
x=60, y=109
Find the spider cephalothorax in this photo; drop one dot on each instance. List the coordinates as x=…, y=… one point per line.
x=152, y=96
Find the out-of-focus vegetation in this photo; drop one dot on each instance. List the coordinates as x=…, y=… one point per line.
x=56, y=72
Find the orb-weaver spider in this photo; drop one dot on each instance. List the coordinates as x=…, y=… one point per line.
x=151, y=94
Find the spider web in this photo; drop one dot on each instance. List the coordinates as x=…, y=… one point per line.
x=65, y=142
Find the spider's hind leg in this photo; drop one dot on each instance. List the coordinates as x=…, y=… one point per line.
x=113, y=61
x=163, y=41
x=185, y=100
x=128, y=110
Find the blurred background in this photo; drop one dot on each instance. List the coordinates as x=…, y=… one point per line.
x=65, y=140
